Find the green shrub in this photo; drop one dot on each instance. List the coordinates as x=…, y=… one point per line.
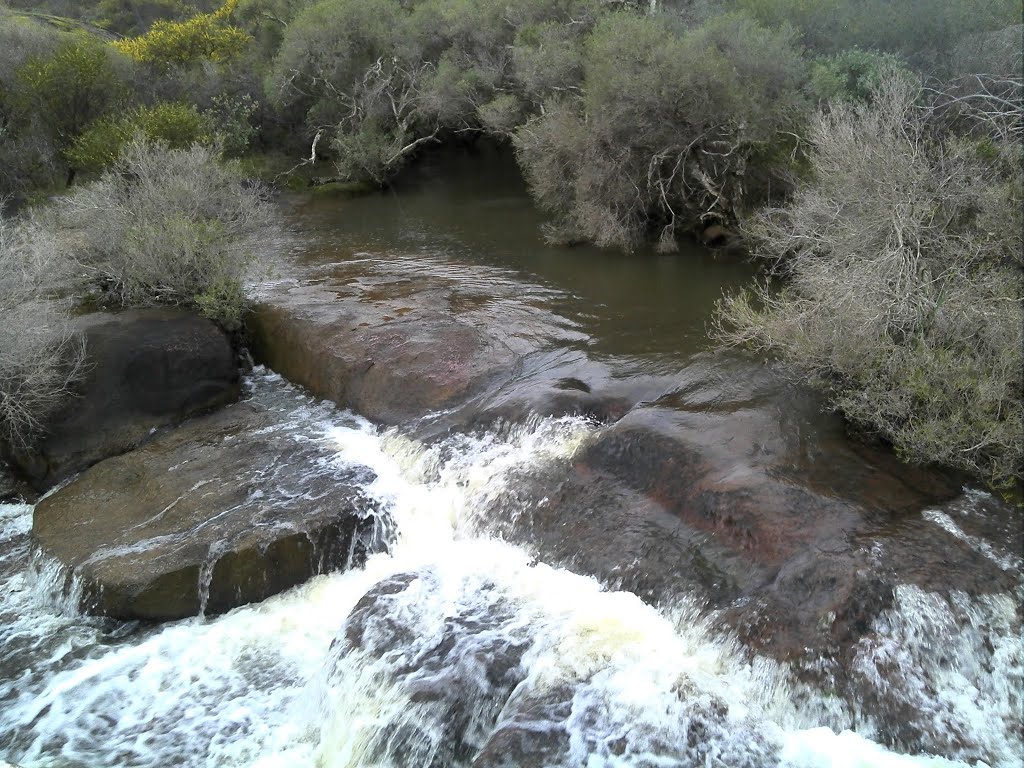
x=662, y=127
x=231, y=120
x=189, y=43
x=852, y=75
x=167, y=226
x=79, y=82
x=386, y=78
x=134, y=17
x=176, y=125
x=924, y=32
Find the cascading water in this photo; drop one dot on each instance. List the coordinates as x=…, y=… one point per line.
x=456, y=648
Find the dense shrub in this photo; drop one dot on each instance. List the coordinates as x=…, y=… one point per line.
x=166, y=226
x=925, y=32
x=134, y=17
x=230, y=118
x=903, y=279
x=40, y=356
x=853, y=75
x=203, y=37
x=176, y=125
x=79, y=82
x=663, y=127
x=384, y=78
x=27, y=156
x=267, y=21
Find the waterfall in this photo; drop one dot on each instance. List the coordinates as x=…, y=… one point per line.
x=454, y=647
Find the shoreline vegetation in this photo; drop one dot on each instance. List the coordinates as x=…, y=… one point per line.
x=867, y=154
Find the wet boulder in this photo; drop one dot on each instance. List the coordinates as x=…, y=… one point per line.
x=228, y=509
x=393, y=356
x=778, y=498
x=734, y=488
x=145, y=369
x=456, y=664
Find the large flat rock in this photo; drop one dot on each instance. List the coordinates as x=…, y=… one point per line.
x=392, y=361
x=145, y=369
x=400, y=340
x=734, y=488
x=228, y=509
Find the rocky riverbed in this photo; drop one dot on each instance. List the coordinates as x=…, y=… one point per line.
x=503, y=527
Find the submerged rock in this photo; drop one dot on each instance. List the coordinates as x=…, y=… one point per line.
x=228, y=509
x=454, y=665
x=733, y=487
x=145, y=369
x=481, y=670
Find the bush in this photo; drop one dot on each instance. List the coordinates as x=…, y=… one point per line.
x=663, y=128
x=386, y=78
x=28, y=157
x=924, y=32
x=134, y=17
x=40, y=356
x=230, y=117
x=204, y=37
x=903, y=278
x=176, y=125
x=167, y=226
x=853, y=75
x=79, y=82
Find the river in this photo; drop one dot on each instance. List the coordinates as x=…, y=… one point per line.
x=461, y=644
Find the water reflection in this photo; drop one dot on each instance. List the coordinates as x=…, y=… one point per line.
x=472, y=210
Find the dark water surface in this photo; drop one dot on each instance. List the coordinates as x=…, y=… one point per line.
x=473, y=209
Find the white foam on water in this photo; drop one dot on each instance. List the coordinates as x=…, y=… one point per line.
x=1005, y=560
x=960, y=663
x=262, y=686
x=15, y=521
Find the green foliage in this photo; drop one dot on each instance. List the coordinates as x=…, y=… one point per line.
x=663, y=127
x=71, y=87
x=204, y=37
x=27, y=156
x=904, y=283
x=386, y=78
x=231, y=118
x=175, y=124
x=134, y=17
x=924, y=32
x=328, y=48
x=267, y=20
x=854, y=75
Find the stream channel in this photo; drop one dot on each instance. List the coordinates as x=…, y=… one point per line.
x=623, y=549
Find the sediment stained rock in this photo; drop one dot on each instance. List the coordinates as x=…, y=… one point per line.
x=733, y=487
x=392, y=358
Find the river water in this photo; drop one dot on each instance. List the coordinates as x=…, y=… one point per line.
x=456, y=647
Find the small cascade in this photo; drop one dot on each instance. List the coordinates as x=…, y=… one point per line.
x=455, y=648
x=952, y=668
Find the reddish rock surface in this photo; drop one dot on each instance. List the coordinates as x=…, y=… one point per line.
x=392, y=355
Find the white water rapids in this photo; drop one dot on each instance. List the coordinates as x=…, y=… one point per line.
x=623, y=683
